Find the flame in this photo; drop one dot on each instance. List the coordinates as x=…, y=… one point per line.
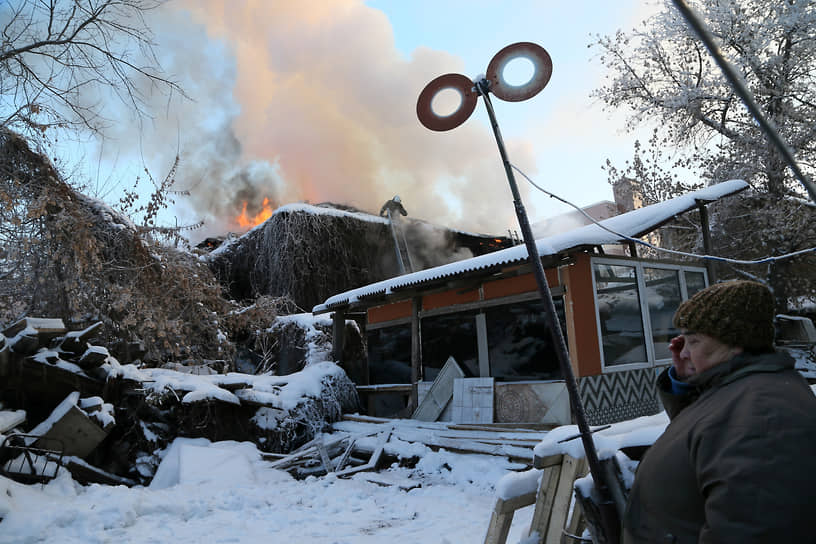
x=248, y=222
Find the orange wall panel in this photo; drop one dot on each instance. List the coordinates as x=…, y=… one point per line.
x=397, y=310
x=582, y=328
x=520, y=284
x=449, y=298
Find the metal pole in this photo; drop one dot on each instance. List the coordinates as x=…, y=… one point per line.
x=606, y=506
x=704, y=226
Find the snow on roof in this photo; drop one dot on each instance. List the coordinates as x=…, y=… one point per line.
x=320, y=210
x=324, y=210
x=635, y=223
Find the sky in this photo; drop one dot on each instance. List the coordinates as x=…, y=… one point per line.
x=315, y=102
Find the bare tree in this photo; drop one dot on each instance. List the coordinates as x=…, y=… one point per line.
x=59, y=58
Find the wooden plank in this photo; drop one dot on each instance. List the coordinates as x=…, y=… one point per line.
x=440, y=393
x=576, y=523
x=307, y=451
x=85, y=473
x=324, y=457
x=502, y=517
x=291, y=459
x=385, y=388
x=550, y=460
x=11, y=418
x=344, y=459
x=544, y=501
x=571, y=469
x=499, y=526
x=48, y=327
x=533, y=428
x=529, y=443
x=365, y=419
x=465, y=446
x=514, y=503
x=372, y=462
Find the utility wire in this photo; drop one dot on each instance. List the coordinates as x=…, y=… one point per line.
x=765, y=260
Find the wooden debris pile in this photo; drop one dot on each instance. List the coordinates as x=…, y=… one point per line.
x=124, y=415
x=367, y=444
x=41, y=362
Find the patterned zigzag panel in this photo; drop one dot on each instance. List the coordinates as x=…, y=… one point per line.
x=617, y=396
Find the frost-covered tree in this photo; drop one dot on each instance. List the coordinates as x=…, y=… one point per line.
x=663, y=75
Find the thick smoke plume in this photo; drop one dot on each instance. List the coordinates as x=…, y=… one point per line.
x=311, y=101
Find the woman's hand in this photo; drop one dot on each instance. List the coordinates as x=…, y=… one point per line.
x=682, y=364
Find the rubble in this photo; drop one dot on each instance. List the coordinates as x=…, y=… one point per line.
x=109, y=422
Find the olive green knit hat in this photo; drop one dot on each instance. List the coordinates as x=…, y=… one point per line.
x=738, y=313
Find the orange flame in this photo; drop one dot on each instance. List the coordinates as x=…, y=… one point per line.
x=247, y=222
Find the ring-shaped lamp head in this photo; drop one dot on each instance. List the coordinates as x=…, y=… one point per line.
x=542, y=71
x=457, y=82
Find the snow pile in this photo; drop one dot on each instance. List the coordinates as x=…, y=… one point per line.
x=193, y=460
x=318, y=346
x=641, y=431
x=283, y=392
x=565, y=440
x=517, y=484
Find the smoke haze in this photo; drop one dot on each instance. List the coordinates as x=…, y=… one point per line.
x=311, y=101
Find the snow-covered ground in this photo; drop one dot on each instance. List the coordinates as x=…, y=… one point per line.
x=224, y=492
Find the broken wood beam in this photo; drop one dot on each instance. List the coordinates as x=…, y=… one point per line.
x=502, y=517
x=44, y=328
x=93, y=357
x=85, y=473
x=373, y=460
x=76, y=342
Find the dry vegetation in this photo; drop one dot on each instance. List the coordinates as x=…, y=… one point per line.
x=69, y=256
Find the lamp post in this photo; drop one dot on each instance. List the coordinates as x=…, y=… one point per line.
x=470, y=91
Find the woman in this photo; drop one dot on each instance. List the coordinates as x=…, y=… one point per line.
x=737, y=462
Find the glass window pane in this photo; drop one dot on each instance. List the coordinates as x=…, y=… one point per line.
x=663, y=296
x=519, y=341
x=695, y=281
x=449, y=335
x=389, y=355
x=619, y=314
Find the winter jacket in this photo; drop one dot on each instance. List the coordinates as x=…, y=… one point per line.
x=737, y=462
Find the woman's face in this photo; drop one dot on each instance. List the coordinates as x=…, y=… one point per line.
x=701, y=352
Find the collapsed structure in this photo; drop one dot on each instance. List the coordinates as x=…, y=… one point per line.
x=467, y=341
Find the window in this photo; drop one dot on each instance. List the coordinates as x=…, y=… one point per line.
x=389, y=355
x=619, y=314
x=663, y=296
x=519, y=343
x=695, y=281
x=636, y=301
x=449, y=335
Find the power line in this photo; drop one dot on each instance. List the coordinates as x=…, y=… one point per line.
x=765, y=260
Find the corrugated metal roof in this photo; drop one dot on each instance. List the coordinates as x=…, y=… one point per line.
x=633, y=224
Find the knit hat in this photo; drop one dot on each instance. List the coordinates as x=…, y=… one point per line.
x=737, y=313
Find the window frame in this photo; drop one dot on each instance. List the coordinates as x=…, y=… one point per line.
x=645, y=317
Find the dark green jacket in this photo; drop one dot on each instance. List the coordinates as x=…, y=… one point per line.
x=736, y=464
